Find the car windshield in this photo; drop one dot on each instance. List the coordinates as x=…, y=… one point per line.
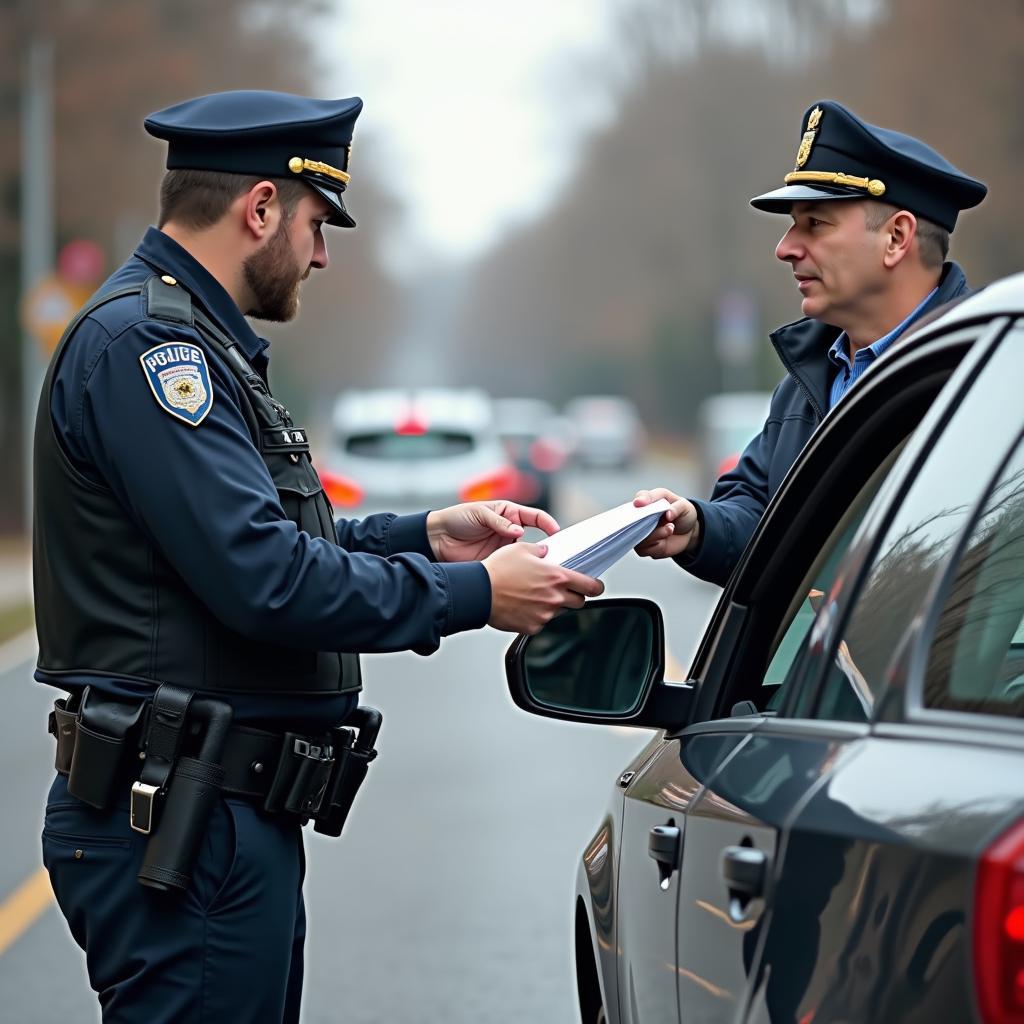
x=394, y=446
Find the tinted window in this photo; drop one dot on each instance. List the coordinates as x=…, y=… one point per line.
x=432, y=444
x=977, y=656
x=921, y=538
x=818, y=581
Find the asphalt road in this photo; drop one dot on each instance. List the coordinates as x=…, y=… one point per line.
x=449, y=897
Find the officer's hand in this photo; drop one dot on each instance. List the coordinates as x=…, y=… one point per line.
x=527, y=591
x=677, y=531
x=472, y=531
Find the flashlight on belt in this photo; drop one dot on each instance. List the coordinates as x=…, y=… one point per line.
x=192, y=791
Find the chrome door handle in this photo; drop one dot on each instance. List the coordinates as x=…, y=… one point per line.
x=745, y=871
x=663, y=845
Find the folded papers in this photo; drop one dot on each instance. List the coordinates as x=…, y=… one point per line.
x=596, y=544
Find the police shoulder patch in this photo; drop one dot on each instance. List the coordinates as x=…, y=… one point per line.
x=179, y=378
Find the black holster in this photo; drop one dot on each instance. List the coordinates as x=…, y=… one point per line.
x=191, y=793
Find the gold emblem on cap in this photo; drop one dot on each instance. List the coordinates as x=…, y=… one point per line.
x=167, y=279
x=813, y=120
x=298, y=164
x=870, y=185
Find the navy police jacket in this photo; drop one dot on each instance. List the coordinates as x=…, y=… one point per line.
x=199, y=494
x=798, y=405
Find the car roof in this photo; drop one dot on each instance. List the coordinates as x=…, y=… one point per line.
x=450, y=408
x=518, y=412
x=1005, y=296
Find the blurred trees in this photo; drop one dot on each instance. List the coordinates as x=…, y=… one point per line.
x=117, y=60
x=618, y=287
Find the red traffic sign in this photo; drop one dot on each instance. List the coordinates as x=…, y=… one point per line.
x=81, y=262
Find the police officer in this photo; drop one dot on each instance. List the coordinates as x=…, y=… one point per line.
x=188, y=573
x=871, y=210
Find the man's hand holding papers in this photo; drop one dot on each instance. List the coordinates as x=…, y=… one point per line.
x=678, y=530
x=528, y=590
x=597, y=543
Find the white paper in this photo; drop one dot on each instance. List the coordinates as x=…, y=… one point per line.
x=596, y=544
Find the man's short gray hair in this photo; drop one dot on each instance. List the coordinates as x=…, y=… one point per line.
x=932, y=241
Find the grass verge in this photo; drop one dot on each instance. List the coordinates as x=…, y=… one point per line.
x=15, y=619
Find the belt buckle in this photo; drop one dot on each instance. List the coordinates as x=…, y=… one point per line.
x=143, y=799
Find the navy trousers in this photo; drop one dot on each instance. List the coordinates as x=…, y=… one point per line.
x=230, y=949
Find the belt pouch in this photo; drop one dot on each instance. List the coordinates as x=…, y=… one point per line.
x=62, y=726
x=101, y=743
x=193, y=790
x=302, y=776
x=347, y=777
x=352, y=757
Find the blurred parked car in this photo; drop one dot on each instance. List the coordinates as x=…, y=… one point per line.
x=728, y=423
x=402, y=451
x=608, y=431
x=830, y=825
x=536, y=442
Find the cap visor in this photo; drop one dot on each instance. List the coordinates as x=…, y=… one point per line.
x=341, y=217
x=781, y=199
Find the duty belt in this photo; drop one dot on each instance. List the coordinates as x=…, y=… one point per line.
x=309, y=776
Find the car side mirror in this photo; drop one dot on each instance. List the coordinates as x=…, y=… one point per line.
x=603, y=663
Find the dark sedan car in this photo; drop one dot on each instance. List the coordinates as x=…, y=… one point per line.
x=830, y=827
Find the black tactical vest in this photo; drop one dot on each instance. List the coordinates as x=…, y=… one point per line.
x=108, y=602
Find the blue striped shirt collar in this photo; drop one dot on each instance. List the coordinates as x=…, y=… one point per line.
x=851, y=370
x=838, y=352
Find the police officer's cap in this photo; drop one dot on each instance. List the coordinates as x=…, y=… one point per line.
x=842, y=157
x=268, y=134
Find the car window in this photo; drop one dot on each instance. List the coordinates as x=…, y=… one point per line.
x=976, y=663
x=920, y=540
x=796, y=626
x=392, y=445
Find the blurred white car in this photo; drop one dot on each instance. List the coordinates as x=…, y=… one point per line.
x=410, y=451
x=728, y=423
x=607, y=429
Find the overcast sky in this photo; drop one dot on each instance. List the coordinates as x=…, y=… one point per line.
x=474, y=108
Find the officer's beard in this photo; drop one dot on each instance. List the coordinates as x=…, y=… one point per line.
x=274, y=277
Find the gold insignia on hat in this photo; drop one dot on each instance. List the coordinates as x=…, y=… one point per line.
x=870, y=185
x=298, y=164
x=813, y=120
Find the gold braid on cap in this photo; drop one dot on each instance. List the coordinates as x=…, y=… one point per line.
x=298, y=164
x=871, y=185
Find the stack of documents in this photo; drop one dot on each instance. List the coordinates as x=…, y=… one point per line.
x=597, y=543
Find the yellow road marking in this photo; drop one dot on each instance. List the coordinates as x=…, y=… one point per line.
x=21, y=909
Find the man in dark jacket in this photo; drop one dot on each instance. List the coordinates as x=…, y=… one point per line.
x=872, y=210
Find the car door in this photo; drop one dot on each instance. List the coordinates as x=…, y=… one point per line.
x=755, y=663
x=872, y=906
x=733, y=825
x=654, y=814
